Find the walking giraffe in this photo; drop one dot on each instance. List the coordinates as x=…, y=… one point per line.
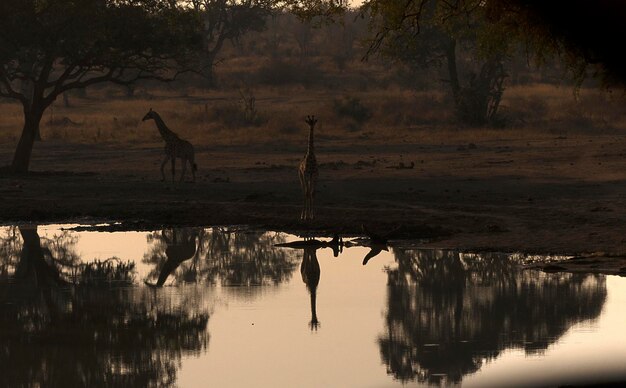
x=309, y=172
x=175, y=147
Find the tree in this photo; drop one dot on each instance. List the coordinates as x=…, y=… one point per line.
x=440, y=33
x=583, y=34
x=69, y=322
x=228, y=20
x=221, y=257
x=48, y=47
x=433, y=32
x=93, y=333
x=475, y=307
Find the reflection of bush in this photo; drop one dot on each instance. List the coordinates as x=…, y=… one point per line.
x=278, y=72
x=107, y=272
x=55, y=335
x=10, y=247
x=94, y=338
x=228, y=258
x=447, y=313
x=352, y=108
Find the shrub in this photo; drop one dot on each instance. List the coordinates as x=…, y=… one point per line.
x=351, y=107
x=278, y=73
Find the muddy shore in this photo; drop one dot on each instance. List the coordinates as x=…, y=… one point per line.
x=550, y=195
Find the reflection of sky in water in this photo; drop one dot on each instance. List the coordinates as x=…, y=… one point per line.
x=259, y=334
x=128, y=246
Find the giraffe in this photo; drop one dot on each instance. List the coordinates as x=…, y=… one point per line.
x=175, y=147
x=310, y=267
x=181, y=247
x=308, y=173
x=310, y=271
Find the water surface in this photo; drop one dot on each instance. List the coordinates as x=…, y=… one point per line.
x=223, y=307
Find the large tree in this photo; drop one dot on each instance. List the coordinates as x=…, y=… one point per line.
x=448, y=34
x=227, y=20
x=434, y=32
x=48, y=47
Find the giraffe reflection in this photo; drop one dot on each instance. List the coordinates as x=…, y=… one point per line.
x=448, y=313
x=377, y=243
x=56, y=329
x=33, y=266
x=180, y=245
x=310, y=267
x=310, y=270
x=218, y=256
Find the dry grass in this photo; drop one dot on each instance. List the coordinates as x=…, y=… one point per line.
x=395, y=115
x=558, y=109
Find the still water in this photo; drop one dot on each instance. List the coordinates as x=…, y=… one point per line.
x=228, y=308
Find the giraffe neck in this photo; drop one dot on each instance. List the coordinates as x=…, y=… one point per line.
x=165, y=132
x=311, y=149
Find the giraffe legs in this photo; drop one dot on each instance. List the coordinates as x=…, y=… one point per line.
x=303, y=214
x=305, y=208
x=163, y=167
x=173, y=160
x=310, y=196
x=308, y=189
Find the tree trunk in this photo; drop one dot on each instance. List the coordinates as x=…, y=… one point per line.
x=208, y=72
x=21, y=158
x=130, y=91
x=32, y=265
x=453, y=72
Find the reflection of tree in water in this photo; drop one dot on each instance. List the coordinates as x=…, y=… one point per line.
x=54, y=335
x=10, y=248
x=170, y=248
x=24, y=254
x=224, y=257
x=448, y=312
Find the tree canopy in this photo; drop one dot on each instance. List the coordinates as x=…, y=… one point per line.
x=48, y=47
x=580, y=32
x=227, y=20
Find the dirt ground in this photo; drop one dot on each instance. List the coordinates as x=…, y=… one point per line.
x=551, y=194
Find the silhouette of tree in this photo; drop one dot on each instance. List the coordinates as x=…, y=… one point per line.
x=54, y=335
x=50, y=47
x=228, y=20
x=448, y=312
x=226, y=258
x=10, y=247
x=485, y=33
x=172, y=247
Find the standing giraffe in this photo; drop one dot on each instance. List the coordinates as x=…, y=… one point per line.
x=309, y=172
x=175, y=147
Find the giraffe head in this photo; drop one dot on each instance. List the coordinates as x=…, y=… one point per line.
x=150, y=115
x=311, y=120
